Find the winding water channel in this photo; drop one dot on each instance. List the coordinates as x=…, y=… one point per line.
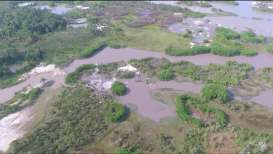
x=109, y=55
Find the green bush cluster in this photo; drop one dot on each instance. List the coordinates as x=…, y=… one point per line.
x=165, y=74
x=187, y=51
x=226, y=33
x=251, y=37
x=74, y=76
x=118, y=88
x=116, y=112
x=215, y=91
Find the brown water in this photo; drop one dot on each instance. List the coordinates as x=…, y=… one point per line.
x=109, y=55
x=265, y=98
x=140, y=95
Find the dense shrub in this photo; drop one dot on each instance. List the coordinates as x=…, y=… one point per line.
x=269, y=48
x=118, y=88
x=248, y=52
x=74, y=76
x=215, y=91
x=165, y=74
x=29, y=21
x=251, y=37
x=222, y=49
x=187, y=51
x=116, y=112
x=226, y=33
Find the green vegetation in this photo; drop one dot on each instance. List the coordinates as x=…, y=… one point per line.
x=254, y=142
x=269, y=48
x=74, y=76
x=184, y=105
x=153, y=37
x=19, y=102
x=249, y=36
x=127, y=151
x=125, y=74
x=213, y=91
x=116, y=112
x=118, y=88
x=229, y=74
x=165, y=74
x=187, y=51
x=29, y=21
x=108, y=68
x=226, y=42
x=196, y=3
x=76, y=119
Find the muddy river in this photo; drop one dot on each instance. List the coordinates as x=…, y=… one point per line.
x=109, y=55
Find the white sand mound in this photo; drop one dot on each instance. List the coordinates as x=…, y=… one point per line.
x=128, y=68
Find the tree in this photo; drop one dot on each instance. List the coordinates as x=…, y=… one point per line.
x=118, y=88
x=116, y=112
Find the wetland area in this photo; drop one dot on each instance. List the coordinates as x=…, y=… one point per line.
x=150, y=77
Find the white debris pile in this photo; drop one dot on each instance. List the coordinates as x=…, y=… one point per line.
x=99, y=82
x=128, y=67
x=42, y=68
x=25, y=4
x=82, y=7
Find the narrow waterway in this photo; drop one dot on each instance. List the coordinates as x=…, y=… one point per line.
x=109, y=55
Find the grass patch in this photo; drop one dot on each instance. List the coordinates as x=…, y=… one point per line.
x=153, y=38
